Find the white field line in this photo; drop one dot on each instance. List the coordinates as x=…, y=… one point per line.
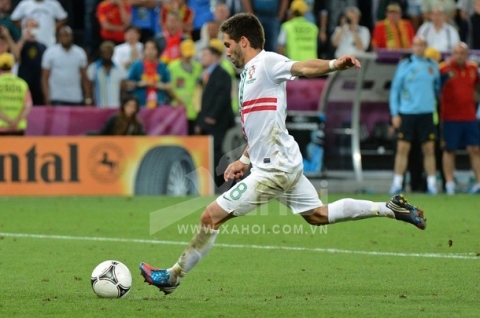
x=471, y=256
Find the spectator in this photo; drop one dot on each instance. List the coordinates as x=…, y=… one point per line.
x=449, y=7
x=30, y=60
x=330, y=12
x=216, y=115
x=145, y=16
x=439, y=34
x=460, y=129
x=203, y=14
x=64, y=72
x=126, y=122
x=465, y=10
x=106, y=78
x=393, y=33
x=149, y=78
x=474, y=32
x=350, y=37
x=221, y=13
x=383, y=4
x=413, y=94
x=49, y=14
x=234, y=6
x=169, y=40
x=114, y=17
x=270, y=13
x=16, y=100
x=414, y=12
x=185, y=75
x=212, y=31
x=298, y=36
x=183, y=11
x=129, y=51
x=6, y=20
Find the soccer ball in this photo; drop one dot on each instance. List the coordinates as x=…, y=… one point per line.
x=111, y=279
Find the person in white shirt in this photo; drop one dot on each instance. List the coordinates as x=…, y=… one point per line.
x=350, y=37
x=64, y=72
x=277, y=165
x=48, y=13
x=439, y=34
x=130, y=51
x=107, y=78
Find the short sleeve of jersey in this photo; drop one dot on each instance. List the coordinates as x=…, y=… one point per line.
x=19, y=12
x=279, y=67
x=59, y=12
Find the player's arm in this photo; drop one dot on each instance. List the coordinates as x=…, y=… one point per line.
x=317, y=67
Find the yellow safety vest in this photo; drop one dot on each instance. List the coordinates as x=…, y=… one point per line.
x=13, y=94
x=301, y=40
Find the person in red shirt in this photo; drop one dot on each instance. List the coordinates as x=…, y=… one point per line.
x=184, y=12
x=393, y=33
x=458, y=113
x=114, y=17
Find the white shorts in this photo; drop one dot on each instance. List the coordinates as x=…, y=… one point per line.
x=293, y=190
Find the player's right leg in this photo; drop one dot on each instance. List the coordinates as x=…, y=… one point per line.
x=245, y=196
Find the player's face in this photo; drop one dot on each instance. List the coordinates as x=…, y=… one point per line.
x=233, y=51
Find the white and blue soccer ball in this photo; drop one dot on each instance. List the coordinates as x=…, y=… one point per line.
x=111, y=279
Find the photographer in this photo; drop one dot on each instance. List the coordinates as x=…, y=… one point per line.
x=349, y=37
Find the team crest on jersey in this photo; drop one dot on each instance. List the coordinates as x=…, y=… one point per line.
x=251, y=74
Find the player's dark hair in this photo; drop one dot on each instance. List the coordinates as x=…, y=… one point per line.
x=247, y=25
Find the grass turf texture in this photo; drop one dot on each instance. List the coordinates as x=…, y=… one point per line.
x=51, y=277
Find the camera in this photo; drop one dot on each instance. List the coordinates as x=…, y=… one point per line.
x=348, y=20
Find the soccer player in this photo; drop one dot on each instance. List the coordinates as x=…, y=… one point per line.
x=277, y=169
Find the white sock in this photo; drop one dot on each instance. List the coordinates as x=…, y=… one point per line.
x=199, y=246
x=398, y=181
x=351, y=209
x=432, y=182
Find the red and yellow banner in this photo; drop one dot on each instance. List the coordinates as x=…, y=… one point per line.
x=106, y=165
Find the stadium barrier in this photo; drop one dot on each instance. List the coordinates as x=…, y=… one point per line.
x=169, y=165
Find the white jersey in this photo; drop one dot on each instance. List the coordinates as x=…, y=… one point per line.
x=263, y=111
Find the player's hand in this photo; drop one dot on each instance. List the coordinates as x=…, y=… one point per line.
x=235, y=170
x=347, y=61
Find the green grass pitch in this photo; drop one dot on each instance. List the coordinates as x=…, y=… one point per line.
x=270, y=264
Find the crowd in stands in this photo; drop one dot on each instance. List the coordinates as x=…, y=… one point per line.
x=39, y=35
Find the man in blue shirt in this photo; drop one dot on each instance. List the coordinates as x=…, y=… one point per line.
x=413, y=96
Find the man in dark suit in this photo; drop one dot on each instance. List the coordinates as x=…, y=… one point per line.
x=216, y=115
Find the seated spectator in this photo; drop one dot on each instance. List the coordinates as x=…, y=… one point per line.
x=64, y=72
x=16, y=100
x=126, y=122
x=449, y=7
x=114, y=17
x=383, y=4
x=393, y=33
x=149, y=79
x=185, y=75
x=49, y=14
x=30, y=53
x=145, y=16
x=438, y=33
x=298, y=37
x=184, y=12
x=6, y=20
x=129, y=51
x=106, y=78
x=169, y=40
x=350, y=37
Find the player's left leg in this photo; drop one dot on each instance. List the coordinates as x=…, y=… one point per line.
x=303, y=200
